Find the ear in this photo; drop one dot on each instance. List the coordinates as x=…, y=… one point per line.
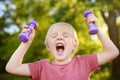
x=47, y=47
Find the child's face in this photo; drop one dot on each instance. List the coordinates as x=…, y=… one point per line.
x=60, y=42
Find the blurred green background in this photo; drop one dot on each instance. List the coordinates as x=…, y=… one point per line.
x=16, y=13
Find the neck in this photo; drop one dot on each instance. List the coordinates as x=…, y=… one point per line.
x=65, y=61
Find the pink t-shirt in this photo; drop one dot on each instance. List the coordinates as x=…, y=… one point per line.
x=78, y=69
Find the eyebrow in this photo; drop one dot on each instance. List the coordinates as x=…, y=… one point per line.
x=53, y=33
x=64, y=33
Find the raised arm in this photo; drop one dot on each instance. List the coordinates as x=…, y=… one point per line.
x=15, y=65
x=110, y=51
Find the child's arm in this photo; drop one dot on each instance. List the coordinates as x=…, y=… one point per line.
x=15, y=65
x=110, y=50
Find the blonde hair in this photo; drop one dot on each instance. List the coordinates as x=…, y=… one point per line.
x=66, y=25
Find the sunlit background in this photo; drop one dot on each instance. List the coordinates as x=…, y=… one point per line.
x=14, y=14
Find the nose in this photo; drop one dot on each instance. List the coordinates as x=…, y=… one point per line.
x=59, y=38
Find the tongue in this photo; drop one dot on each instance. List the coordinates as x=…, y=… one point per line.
x=60, y=51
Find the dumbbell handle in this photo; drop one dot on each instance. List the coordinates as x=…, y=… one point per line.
x=93, y=29
x=24, y=36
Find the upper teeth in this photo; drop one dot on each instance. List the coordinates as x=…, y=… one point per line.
x=59, y=44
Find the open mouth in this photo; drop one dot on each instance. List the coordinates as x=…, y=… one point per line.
x=60, y=48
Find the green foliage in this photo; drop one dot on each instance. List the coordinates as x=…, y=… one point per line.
x=46, y=12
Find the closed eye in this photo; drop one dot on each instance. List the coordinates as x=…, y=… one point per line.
x=66, y=35
x=54, y=36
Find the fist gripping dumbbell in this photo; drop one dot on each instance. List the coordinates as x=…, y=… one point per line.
x=24, y=36
x=93, y=29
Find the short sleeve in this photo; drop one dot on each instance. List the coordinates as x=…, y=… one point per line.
x=89, y=62
x=35, y=70
x=93, y=62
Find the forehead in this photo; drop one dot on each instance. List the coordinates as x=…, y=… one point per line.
x=60, y=28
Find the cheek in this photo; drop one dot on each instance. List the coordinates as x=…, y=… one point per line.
x=71, y=43
x=50, y=43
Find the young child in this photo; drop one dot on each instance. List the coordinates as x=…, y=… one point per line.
x=62, y=42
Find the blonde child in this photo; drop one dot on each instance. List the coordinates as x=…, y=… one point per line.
x=62, y=42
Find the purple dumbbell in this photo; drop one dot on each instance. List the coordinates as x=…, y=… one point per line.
x=93, y=29
x=24, y=37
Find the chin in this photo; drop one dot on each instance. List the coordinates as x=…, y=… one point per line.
x=60, y=58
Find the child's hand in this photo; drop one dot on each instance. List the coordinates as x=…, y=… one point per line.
x=92, y=18
x=32, y=34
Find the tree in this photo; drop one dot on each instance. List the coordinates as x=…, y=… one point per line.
x=112, y=9
x=47, y=12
